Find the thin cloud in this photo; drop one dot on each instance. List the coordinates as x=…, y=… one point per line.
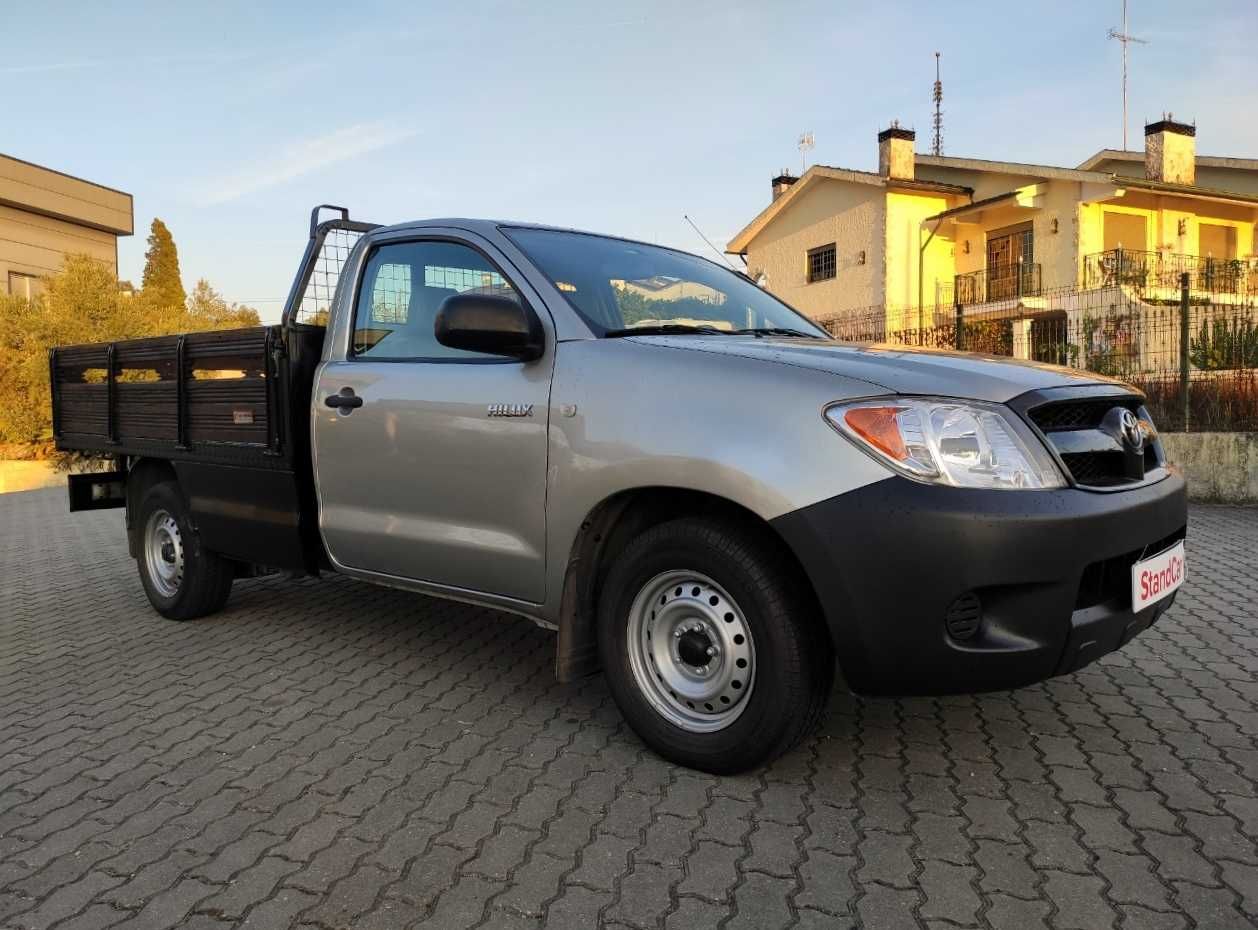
x=301, y=158
x=53, y=66
x=81, y=64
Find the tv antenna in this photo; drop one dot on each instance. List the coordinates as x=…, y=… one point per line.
x=806, y=144
x=1126, y=38
x=936, y=142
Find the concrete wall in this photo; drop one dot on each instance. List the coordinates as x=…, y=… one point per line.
x=849, y=215
x=1218, y=466
x=46, y=215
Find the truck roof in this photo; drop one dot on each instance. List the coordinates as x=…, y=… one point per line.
x=487, y=227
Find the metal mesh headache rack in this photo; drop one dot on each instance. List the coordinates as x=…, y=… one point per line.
x=331, y=242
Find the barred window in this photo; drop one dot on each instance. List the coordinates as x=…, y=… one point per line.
x=821, y=263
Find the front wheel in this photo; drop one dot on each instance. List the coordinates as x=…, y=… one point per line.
x=712, y=646
x=182, y=579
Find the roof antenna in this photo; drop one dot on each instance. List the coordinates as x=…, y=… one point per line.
x=1126, y=38
x=806, y=144
x=719, y=253
x=936, y=143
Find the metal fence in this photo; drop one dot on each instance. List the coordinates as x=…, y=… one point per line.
x=999, y=282
x=1192, y=350
x=1146, y=271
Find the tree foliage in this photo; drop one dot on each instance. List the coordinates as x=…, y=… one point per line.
x=83, y=303
x=208, y=310
x=161, y=282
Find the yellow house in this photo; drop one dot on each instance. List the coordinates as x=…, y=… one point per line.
x=46, y=215
x=908, y=243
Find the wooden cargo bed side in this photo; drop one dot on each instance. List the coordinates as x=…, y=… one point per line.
x=212, y=396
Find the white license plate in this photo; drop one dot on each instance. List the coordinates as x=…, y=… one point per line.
x=1158, y=577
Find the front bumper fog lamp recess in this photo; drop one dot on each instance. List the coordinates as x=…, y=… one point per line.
x=964, y=444
x=964, y=617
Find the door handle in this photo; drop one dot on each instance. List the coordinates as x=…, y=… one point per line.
x=346, y=400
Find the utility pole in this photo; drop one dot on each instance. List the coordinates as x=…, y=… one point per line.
x=1126, y=38
x=936, y=144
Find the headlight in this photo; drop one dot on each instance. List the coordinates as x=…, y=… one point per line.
x=964, y=444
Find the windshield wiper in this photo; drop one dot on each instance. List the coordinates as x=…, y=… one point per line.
x=666, y=329
x=774, y=331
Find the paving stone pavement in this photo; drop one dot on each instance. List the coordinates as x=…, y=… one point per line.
x=325, y=754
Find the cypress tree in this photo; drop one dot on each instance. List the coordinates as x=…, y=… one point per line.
x=161, y=282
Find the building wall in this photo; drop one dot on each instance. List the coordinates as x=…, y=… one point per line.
x=34, y=244
x=904, y=236
x=1058, y=252
x=1162, y=223
x=1054, y=252
x=985, y=183
x=849, y=215
x=46, y=215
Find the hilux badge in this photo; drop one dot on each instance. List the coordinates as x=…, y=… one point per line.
x=510, y=410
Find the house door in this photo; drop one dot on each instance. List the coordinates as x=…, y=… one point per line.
x=1007, y=251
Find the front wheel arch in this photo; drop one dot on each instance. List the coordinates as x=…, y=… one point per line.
x=605, y=532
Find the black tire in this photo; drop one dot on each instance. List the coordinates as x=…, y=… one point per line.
x=206, y=579
x=793, y=665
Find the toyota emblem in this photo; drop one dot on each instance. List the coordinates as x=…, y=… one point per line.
x=1133, y=435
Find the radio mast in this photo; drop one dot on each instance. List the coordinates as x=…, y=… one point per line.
x=936, y=142
x=1126, y=38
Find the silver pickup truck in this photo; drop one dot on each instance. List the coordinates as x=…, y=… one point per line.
x=703, y=494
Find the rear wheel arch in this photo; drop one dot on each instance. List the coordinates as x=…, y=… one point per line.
x=142, y=474
x=608, y=529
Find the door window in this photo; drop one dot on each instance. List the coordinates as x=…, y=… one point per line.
x=402, y=290
x=1009, y=257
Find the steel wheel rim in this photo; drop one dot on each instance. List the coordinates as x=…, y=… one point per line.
x=676, y=618
x=163, y=553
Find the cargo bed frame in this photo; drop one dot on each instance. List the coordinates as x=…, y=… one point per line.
x=227, y=411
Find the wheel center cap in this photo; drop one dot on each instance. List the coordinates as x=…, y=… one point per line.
x=168, y=551
x=692, y=647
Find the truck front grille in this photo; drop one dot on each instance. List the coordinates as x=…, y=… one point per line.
x=1079, y=414
x=1092, y=452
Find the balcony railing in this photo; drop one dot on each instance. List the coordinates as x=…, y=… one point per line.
x=999, y=282
x=1145, y=270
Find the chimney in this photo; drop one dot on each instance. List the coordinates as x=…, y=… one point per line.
x=1170, y=151
x=895, y=152
x=782, y=182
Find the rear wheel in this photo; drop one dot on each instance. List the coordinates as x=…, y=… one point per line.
x=712, y=646
x=181, y=578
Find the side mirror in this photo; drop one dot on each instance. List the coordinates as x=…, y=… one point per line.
x=489, y=323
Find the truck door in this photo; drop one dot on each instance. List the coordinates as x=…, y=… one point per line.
x=415, y=477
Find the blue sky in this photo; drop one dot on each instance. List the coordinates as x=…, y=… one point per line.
x=230, y=120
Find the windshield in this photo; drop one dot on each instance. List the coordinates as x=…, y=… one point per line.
x=618, y=285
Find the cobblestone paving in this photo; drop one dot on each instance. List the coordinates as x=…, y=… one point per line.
x=326, y=754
